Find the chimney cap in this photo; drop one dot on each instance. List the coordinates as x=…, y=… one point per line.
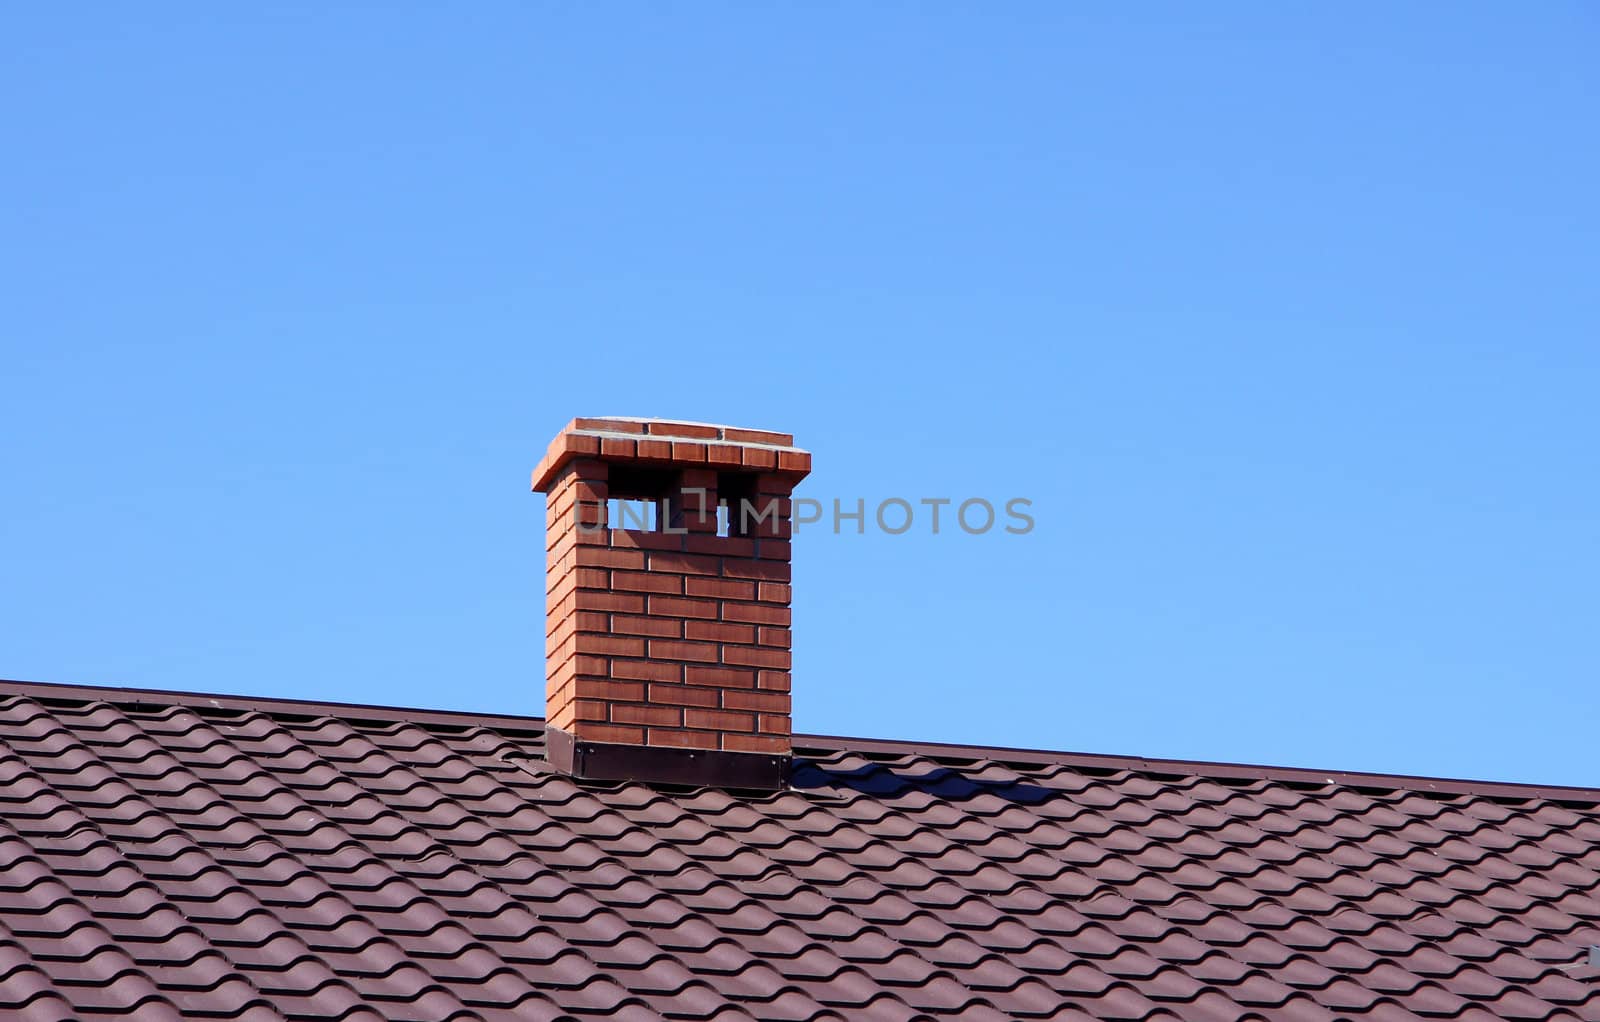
x=673, y=442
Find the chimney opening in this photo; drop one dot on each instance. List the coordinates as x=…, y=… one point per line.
x=738, y=504
x=636, y=496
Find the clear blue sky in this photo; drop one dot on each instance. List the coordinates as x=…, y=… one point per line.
x=1285, y=318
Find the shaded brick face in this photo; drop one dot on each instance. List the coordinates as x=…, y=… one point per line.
x=676, y=636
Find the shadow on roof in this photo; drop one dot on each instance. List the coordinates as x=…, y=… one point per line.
x=942, y=783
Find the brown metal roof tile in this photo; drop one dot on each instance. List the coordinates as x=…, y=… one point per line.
x=177, y=855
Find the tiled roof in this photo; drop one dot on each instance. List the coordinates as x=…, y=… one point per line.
x=181, y=856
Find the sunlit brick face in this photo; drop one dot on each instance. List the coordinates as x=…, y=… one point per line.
x=675, y=634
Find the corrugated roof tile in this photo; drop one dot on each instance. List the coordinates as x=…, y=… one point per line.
x=182, y=856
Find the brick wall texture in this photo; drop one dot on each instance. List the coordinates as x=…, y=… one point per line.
x=672, y=636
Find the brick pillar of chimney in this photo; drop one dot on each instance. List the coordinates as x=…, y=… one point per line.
x=667, y=650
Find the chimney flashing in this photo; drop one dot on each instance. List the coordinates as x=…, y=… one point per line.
x=608, y=761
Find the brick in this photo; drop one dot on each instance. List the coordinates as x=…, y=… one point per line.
x=668, y=649
x=590, y=709
x=719, y=546
x=566, y=541
x=588, y=521
x=758, y=457
x=563, y=563
x=723, y=454
x=752, y=513
x=587, y=465
x=560, y=648
x=716, y=631
x=561, y=523
x=608, y=425
x=562, y=651
x=617, y=603
x=774, y=592
x=721, y=677
x=642, y=540
x=619, y=733
x=592, y=578
x=557, y=612
x=658, y=450
x=655, y=716
x=604, y=557
x=766, y=702
x=560, y=543
x=688, y=429
x=755, y=656
x=785, y=505
x=617, y=448
x=775, y=485
x=692, y=564
x=773, y=549
x=558, y=671
x=682, y=739
x=775, y=725
x=756, y=613
x=560, y=718
x=773, y=681
x=558, y=587
x=756, y=743
x=603, y=688
x=685, y=695
x=761, y=571
x=646, y=582
x=724, y=588
x=558, y=701
x=581, y=447
x=557, y=522
x=779, y=637
x=558, y=500
x=612, y=645
x=757, y=436
x=684, y=451
x=558, y=693
x=591, y=621
x=589, y=490
x=658, y=627
x=719, y=720
x=576, y=523
x=770, y=526
x=794, y=461
x=677, y=607
x=646, y=670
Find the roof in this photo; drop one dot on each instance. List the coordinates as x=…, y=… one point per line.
x=205, y=856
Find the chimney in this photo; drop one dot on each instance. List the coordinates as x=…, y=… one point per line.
x=667, y=641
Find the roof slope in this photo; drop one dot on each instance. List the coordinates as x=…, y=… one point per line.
x=189, y=856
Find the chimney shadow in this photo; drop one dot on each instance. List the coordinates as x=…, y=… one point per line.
x=941, y=781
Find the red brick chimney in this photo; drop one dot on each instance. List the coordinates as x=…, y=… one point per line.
x=668, y=645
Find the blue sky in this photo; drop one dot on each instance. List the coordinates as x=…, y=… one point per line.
x=1284, y=318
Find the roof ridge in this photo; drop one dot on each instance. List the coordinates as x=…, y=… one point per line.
x=832, y=743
